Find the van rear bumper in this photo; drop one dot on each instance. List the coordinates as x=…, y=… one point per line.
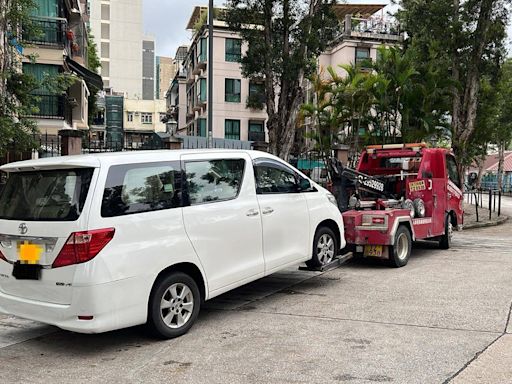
x=113, y=305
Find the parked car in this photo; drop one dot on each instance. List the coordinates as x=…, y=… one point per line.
x=94, y=243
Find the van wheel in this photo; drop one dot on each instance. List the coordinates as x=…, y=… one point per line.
x=325, y=248
x=400, y=252
x=445, y=241
x=173, y=305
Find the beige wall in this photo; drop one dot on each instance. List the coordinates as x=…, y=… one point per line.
x=137, y=107
x=167, y=71
x=344, y=53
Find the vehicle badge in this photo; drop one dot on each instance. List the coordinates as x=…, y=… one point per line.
x=23, y=228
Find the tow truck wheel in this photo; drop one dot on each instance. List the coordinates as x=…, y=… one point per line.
x=325, y=247
x=446, y=240
x=399, y=252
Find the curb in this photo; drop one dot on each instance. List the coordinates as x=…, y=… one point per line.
x=499, y=221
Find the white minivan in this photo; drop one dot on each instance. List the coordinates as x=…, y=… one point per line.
x=93, y=243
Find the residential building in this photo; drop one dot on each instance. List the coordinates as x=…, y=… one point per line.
x=117, y=29
x=59, y=46
x=363, y=31
x=148, y=68
x=165, y=70
x=238, y=111
x=141, y=119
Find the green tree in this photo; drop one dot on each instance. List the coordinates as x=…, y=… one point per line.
x=284, y=39
x=16, y=99
x=465, y=40
x=93, y=63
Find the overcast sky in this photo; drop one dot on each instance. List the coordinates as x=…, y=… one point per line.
x=166, y=21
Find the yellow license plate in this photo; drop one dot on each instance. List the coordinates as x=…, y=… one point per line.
x=373, y=250
x=29, y=253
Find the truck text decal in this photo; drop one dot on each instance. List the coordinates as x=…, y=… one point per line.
x=417, y=186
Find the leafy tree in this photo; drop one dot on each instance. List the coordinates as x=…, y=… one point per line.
x=16, y=99
x=465, y=40
x=284, y=39
x=93, y=63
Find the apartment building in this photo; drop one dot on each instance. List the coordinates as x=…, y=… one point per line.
x=141, y=118
x=60, y=46
x=238, y=107
x=165, y=70
x=148, y=68
x=118, y=32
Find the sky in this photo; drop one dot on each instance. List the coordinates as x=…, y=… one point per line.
x=166, y=21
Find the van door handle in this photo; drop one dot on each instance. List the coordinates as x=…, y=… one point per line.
x=252, y=212
x=267, y=210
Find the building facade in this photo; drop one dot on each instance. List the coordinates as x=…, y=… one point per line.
x=148, y=68
x=141, y=119
x=60, y=47
x=238, y=108
x=117, y=28
x=165, y=70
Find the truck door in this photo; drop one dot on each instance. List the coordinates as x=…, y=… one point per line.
x=453, y=189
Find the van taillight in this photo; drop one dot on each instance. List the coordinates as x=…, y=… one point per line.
x=83, y=246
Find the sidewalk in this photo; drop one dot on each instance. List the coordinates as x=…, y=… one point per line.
x=470, y=219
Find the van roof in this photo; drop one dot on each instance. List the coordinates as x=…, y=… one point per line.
x=95, y=160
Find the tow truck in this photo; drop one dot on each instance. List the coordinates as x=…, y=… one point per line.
x=398, y=194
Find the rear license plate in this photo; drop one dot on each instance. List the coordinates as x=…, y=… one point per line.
x=373, y=250
x=26, y=271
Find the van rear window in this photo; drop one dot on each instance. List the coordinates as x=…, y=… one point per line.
x=49, y=195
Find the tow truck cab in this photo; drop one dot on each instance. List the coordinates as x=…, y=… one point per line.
x=421, y=194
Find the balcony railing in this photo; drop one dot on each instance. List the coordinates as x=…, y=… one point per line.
x=256, y=136
x=47, y=32
x=374, y=26
x=51, y=107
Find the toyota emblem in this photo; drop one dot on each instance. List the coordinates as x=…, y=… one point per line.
x=23, y=228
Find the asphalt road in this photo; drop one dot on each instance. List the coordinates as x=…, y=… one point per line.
x=444, y=317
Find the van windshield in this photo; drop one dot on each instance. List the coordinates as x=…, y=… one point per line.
x=50, y=195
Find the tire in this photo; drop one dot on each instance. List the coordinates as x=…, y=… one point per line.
x=173, y=305
x=400, y=252
x=445, y=241
x=325, y=248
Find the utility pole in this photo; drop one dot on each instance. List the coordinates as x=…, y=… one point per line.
x=210, y=74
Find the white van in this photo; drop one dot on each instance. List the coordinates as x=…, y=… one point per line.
x=99, y=242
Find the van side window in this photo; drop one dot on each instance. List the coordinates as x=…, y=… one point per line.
x=136, y=188
x=273, y=177
x=214, y=180
x=453, y=173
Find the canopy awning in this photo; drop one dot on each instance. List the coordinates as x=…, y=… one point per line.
x=89, y=76
x=357, y=10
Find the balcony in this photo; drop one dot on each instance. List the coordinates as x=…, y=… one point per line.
x=51, y=107
x=201, y=64
x=46, y=31
x=372, y=28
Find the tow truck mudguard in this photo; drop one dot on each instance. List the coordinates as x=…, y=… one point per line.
x=375, y=227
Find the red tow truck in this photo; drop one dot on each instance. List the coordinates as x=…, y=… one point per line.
x=401, y=193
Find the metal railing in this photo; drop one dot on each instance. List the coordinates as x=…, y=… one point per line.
x=47, y=31
x=50, y=107
x=489, y=199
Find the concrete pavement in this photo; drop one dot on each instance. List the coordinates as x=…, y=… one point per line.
x=444, y=317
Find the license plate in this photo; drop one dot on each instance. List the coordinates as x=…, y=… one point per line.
x=373, y=250
x=23, y=271
x=29, y=253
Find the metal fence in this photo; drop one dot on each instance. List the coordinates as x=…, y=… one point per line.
x=489, y=199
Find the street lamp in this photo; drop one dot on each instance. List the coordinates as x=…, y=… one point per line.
x=171, y=126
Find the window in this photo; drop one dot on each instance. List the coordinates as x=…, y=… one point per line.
x=273, y=177
x=202, y=50
x=233, y=50
x=136, y=188
x=362, y=56
x=233, y=90
x=256, y=99
x=146, y=118
x=201, y=127
x=48, y=195
x=214, y=180
x=232, y=129
x=256, y=131
x=129, y=118
x=202, y=89
x=453, y=173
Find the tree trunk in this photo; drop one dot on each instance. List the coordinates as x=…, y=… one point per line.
x=465, y=105
x=501, y=160
x=272, y=122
